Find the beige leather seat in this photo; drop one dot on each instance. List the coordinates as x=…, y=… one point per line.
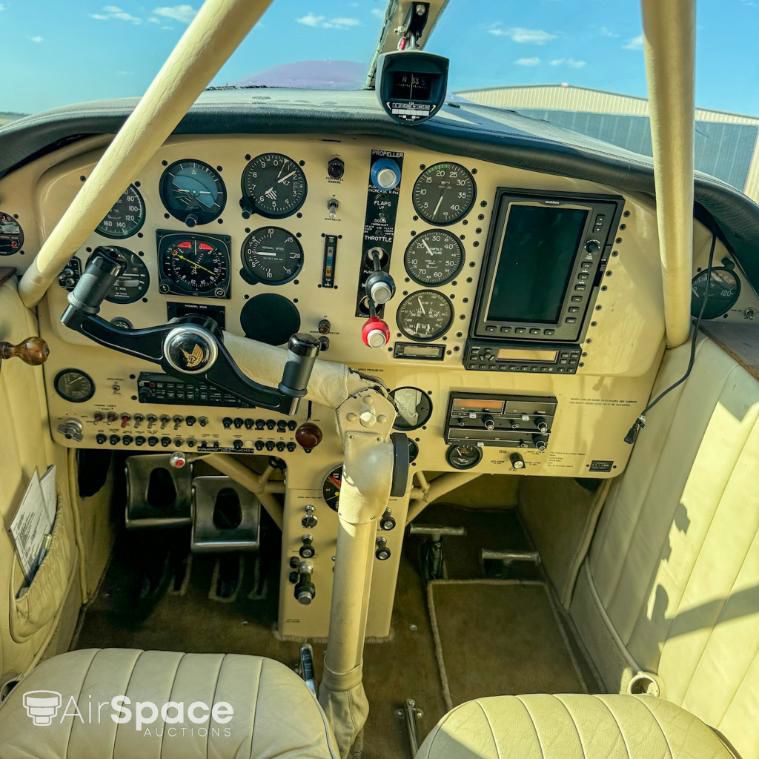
x=571, y=727
x=275, y=716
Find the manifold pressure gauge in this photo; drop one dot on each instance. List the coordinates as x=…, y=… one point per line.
x=411, y=84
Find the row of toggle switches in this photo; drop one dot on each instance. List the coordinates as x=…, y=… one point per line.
x=165, y=442
x=150, y=420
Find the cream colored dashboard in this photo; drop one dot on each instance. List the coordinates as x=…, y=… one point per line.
x=621, y=344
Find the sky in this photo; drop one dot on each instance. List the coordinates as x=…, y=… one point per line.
x=59, y=52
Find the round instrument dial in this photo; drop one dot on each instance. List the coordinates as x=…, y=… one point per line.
x=271, y=255
x=463, y=456
x=273, y=185
x=720, y=287
x=331, y=487
x=444, y=193
x=134, y=280
x=74, y=385
x=424, y=315
x=126, y=217
x=434, y=257
x=193, y=192
x=196, y=266
x=414, y=407
x=11, y=235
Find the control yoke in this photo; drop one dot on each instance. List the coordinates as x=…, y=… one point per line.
x=189, y=347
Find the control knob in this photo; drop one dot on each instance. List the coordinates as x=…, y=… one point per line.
x=387, y=522
x=375, y=333
x=308, y=436
x=592, y=246
x=517, y=462
x=305, y=590
x=383, y=553
x=385, y=174
x=489, y=422
x=307, y=550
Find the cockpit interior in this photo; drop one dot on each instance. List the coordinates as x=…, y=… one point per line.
x=375, y=423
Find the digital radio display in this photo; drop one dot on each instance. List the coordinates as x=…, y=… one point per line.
x=526, y=354
x=494, y=405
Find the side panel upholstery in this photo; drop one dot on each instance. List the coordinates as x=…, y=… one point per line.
x=671, y=584
x=29, y=619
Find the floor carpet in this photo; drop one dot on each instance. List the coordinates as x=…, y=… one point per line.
x=514, y=627
x=496, y=637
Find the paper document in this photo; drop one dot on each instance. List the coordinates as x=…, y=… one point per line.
x=34, y=521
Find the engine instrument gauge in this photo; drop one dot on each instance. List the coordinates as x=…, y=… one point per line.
x=723, y=288
x=271, y=255
x=414, y=408
x=444, y=193
x=193, y=192
x=434, y=257
x=273, y=185
x=194, y=264
x=463, y=456
x=126, y=217
x=424, y=315
x=11, y=235
x=331, y=487
x=74, y=385
x=134, y=280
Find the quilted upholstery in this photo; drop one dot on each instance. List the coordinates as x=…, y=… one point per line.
x=671, y=585
x=571, y=727
x=275, y=716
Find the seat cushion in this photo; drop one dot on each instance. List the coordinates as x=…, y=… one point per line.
x=571, y=727
x=262, y=709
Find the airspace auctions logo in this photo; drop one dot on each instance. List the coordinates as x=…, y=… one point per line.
x=45, y=707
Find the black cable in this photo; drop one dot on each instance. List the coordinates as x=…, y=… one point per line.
x=640, y=421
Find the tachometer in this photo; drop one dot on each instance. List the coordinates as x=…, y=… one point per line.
x=424, y=315
x=273, y=185
x=434, y=257
x=134, y=280
x=194, y=264
x=193, y=192
x=723, y=288
x=271, y=255
x=126, y=217
x=444, y=193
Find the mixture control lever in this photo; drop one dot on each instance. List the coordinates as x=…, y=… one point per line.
x=190, y=348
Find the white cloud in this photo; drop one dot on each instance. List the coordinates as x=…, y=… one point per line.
x=573, y=63
x=636, y=43
x=3, y=7
x=322, y=22
x=604, y=31
x=154, y=20
x=378, y=12
x=37, y=39
x=115, y=13
x=527, y=61
x=522, y=35
x=183, y=13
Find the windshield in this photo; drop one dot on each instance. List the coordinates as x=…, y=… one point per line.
x=576, y=63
